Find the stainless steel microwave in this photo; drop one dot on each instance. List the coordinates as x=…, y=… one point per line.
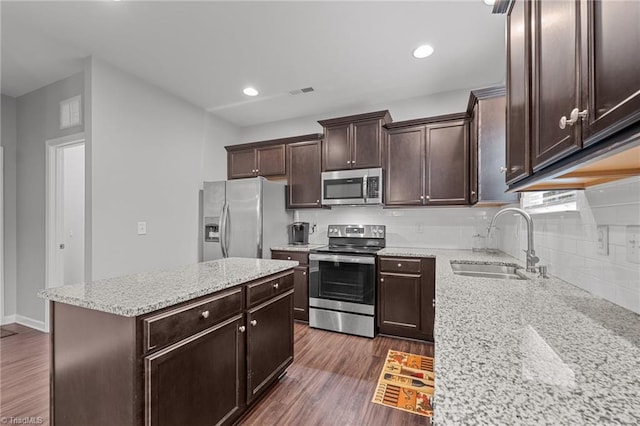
x=352, y=187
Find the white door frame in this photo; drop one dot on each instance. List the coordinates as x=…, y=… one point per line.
x=1, y=235
x=53, y=209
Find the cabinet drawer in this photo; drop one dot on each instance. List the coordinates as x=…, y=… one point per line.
x=176, y=324
x=301, y=256
x=261, y=291
x=400, y=264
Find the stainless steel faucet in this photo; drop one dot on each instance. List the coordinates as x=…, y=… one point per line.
x=532, y=259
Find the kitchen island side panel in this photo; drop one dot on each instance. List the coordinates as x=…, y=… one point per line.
x=93, y=379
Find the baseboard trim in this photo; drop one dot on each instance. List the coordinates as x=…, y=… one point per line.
x=30, y=322
x=9, y=319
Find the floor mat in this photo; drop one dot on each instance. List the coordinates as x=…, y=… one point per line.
x=406, y=383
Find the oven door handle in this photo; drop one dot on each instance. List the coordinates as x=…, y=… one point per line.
x=367, y=260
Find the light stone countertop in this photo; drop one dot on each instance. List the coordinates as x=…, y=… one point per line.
x=530, y=352
x=138, y=294
x=297, y=247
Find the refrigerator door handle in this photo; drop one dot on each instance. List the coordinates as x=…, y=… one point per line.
x=223, y=229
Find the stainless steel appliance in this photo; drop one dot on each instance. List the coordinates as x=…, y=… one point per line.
x=299, y=233
x=352, y=187
x=242, y=218
x=342, y=279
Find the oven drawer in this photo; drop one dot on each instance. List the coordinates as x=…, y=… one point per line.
x=262, y=291
x=401, y=265
x=301, y=257
x=176, y=324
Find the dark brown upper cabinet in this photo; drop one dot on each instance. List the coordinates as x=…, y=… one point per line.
x=487, y=109
x=518, y=125
x=304, y=164
x=573, y=70
x=427, y=162
x=353, y=142
x=265, y=161
x=611, y=58
x=556, y=57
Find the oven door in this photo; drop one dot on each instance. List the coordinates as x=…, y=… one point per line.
x=342, y=282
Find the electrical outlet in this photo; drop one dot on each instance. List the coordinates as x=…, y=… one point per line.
x=633, y=244
x=142, y=228
x=603, y=240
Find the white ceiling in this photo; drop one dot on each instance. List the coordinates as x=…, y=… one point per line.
x=351, y=53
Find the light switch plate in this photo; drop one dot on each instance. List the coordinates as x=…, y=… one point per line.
x=603, y=240
x=142, y=228
x=633, y=244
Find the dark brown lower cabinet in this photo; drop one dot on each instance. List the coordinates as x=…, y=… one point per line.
x=269, y=342
x=198, y=380
x=201, y=362
x=406, y=302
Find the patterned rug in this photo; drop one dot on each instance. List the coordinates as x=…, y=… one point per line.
x=406, y=383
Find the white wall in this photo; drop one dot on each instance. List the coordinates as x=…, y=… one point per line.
x=151, y=151
x=73, y=228
x=434, y=227
x=407, y=109
x=37, y=120
x=9, y=140
x=566, y=242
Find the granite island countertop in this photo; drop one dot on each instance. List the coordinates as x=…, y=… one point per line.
x=530, y=352
x=138, y=294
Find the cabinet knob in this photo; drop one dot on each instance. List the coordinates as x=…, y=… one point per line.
x=205, y=314
x=242, y=328
x=318, y=201
x=503, y=169
x=348, y=162
x=422, y=197
x=381, y=280
x=275, y=286
x=257, y=170
x=433, y=303
x=399, y=265
x=288, y=257
x=428, y=198
x=253, y=322
x=473, y=192
x=304, y=273
x=573, y=118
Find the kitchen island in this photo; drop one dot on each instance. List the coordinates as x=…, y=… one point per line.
x=194, y=345
x=528, y=352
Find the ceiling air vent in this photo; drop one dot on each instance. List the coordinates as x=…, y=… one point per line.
x=301, y=91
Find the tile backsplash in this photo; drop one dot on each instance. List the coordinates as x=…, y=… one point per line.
x=437, y=227
x=568, y=242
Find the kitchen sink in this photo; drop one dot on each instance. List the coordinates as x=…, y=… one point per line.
x=506, y=272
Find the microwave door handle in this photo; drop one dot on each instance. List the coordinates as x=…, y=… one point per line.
x=365, y=182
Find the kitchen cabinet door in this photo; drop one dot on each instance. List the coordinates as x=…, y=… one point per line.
x=447, y=163
x=269, y=342
x=241, y=164
x=366, y=144
x=198, y=380
x=473, y=153
x=555, y=80
x=304, y=190
x=400, y=304
x=404, y=166
x=336, y=153
x=611, y=64
x=301, y=293
x=518, y=91
x=270, y=161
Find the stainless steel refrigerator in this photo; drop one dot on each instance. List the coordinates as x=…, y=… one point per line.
x=242, y=218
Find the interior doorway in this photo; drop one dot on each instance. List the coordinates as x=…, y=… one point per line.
x=65, y=213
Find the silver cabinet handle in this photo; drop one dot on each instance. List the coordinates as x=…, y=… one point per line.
x=503, y=169
x=253, y=323
x=473, y=192
x=275, y=286
x=205, y=314
x=573, y=118
x=242, y=328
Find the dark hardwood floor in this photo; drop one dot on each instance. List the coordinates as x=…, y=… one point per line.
x=331, y=381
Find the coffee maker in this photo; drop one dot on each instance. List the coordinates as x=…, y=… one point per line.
x=299, y=233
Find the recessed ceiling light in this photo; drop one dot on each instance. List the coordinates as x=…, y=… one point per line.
x=250, y=91
x=489, y=2
x=422, y=51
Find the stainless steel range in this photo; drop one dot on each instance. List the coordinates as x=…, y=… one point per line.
x=342, y=279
